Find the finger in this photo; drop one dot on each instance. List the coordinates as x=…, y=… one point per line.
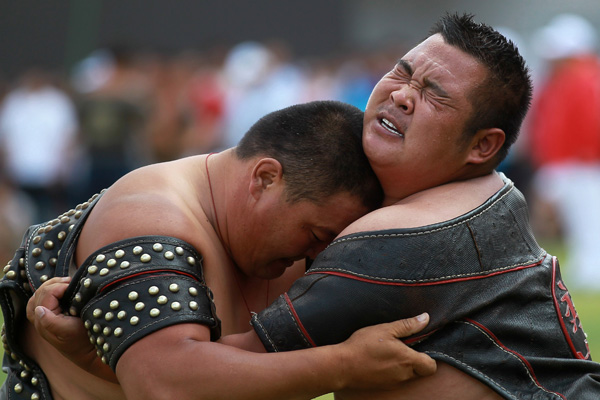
x=410, y=326
x=55, y=328
x=424, y=365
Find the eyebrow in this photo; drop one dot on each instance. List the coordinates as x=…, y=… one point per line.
x=429, y=83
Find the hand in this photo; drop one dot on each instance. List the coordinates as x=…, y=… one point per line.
x=375, y=358
x=66, y=333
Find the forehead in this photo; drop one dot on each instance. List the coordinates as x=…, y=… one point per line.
x=453, y=69
x=333, y=213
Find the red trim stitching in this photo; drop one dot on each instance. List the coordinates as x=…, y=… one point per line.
x=441, y=282
x=146, y=273
x=522, y=358
x=295, y=315
x=561, y=321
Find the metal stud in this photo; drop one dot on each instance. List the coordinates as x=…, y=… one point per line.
x=122, y=315
x=64, y=220
x=78, y=297
x=106, y=347
x=193, y=291
x=104, y=360
x=34, y=381
x=119, y=253
x=21, y=262
x=137, y=250
x=111, y=263
x=176, y=306
x=109, y=316
x=155, y=312
x=145, y=258
x=100, y=341
x=169, y=255
x=162, y=299
x=133, y=295
x=73, y=311
x=106, y=331
x=6, y=268
x=54, y=222
x=157, y=247
x=43, y=278
x=173, y=287
x=11, y=274
x=36, y=252
x=35, y=396
x=48, y=244
x=96, y=328
x=36, y=239
x=40, y=265
x=53, y=261
x=78, y=214
x=62, y=235
x=179, y=250
x=193, y=305
x=18, y=388
x=104, y=272
x=92, y=269
x=97, y=313
x=134, y=320
x=87, y=324
x=100, y=258
x=125, y=264
x=71, y=227
x=24, y=374
x=87, y=282
x=139, y=306
x=114, y=304
x=153, y=290
x=118, y=331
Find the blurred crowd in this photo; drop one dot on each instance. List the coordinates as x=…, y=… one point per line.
x=66, y=136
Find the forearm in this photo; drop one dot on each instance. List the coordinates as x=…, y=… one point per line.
x=178, y=362
x=206, y=370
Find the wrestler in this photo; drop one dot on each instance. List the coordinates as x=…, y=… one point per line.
x=453, y=240
x=173, y=255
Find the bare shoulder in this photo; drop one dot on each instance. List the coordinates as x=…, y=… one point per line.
x=430, y=206
x=158, y=199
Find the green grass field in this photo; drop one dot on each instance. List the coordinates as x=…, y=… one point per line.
x=586, y=303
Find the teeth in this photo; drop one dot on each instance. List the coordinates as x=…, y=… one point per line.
x=390, y=127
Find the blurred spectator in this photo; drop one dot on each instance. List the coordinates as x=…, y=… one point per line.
x=259, y=79
x=16, y=214
x=37, y=131
x=565, y=140
x=113, y=110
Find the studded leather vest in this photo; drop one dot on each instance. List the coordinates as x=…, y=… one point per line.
x=123, y=292
x=499, y=309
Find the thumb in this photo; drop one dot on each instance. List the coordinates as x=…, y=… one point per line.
x=410, y=326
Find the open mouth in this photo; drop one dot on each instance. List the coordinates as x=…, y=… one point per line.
x=390, y=127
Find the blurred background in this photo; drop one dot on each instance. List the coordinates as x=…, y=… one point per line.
x=92, y=89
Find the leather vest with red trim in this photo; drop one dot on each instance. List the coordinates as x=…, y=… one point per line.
x=500, y=310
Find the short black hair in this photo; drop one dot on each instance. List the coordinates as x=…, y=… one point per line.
x=503, y=99
x=319, y=145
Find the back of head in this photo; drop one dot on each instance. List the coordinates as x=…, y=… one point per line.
x=502, y=100
x=319, y=145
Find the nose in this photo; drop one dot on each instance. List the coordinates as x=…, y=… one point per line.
x=403, y=98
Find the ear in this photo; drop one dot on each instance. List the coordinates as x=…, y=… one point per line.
x=485, y=145
x=267, y=173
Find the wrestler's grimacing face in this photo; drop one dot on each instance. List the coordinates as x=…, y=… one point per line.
x=415, y=117
x=294, y=231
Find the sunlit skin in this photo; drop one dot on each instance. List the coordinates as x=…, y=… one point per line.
x=425, y=99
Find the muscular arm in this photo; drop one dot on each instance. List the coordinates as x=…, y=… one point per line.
x=179, y=362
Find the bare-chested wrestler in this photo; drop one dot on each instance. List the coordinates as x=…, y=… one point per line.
x=174, y=255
